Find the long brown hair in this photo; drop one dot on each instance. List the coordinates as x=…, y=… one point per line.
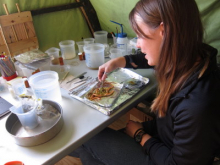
x=183, y=36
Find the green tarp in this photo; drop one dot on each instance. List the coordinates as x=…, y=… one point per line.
x=54, y=27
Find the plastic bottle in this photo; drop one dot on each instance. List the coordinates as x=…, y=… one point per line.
x=122, y=42
x=122, y=39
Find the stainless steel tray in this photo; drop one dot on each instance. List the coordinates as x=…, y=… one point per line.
x=132, y=84
x=46, y=130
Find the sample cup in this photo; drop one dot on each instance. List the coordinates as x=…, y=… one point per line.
x=115, y=52
x=80, y=46
x=68, y=49
x=45, y=85
x=54, y=53
x=29, y=119
x=88, y=40
x=94, y=55
x=101, y=37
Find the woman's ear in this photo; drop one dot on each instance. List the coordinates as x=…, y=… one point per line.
x=161, y=29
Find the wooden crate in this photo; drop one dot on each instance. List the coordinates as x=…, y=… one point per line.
x=17, y=33
x=136, y=115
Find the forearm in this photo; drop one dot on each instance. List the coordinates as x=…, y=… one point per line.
x=119, y=62
x=145, y=138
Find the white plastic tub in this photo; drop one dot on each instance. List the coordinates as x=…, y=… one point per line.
x=45, y=85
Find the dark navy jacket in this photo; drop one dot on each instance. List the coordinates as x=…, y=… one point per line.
x=189, y=134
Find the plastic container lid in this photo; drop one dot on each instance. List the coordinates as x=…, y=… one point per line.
x=122, y=35
x=14, y=163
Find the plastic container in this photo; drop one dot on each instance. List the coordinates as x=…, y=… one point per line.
x=17, y=87
x=18, y=68
x=68, y=49
x=88, y=40
x=101, y=37
x=122, y=39
x=29, y=69
x=115, y=52
x=54, y=54
x=80, y=46
x=95, y=55
x=45, y=85
x=29, y=120
x=122, y=42
x=27, y=72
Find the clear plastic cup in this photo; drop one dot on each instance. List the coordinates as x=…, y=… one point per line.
x=115, y=52
x=101, y=37
x=88, y=40
x=54, y=53
x=29, y=119
x=68, y=49
x=80, y=46
x=17, y=87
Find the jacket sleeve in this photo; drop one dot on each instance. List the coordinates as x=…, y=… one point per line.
x=193, y=140
x=150, y=127
x=137, y=61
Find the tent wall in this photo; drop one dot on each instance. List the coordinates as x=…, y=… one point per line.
x=54, y=27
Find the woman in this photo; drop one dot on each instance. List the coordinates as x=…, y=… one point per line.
x=186, y=130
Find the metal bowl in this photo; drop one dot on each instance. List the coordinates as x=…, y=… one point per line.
x=41, y=134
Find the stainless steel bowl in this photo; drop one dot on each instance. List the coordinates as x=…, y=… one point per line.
x=37, y=135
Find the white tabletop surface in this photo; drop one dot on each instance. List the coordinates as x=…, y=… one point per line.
x=81, y=122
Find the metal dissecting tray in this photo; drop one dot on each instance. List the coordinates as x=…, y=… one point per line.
x=46, y=130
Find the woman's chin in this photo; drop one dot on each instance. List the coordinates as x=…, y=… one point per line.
x=150, y=63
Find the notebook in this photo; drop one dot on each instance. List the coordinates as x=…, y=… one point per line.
x=4, y=107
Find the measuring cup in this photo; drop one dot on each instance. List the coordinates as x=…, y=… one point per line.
x=115, y=52
x=28, y=119
x=67, y=48
x=54, y=53
x=88, y=40
x=80, y=46
x=17, y=87
x=101, y=37
x=94, y=55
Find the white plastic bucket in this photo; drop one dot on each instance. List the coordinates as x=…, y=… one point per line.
x=68, y=49
x=45, y=85
x=94, y=55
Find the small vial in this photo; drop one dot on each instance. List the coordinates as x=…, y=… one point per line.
x=80, y=54
x=84, y=56
x=61, y=60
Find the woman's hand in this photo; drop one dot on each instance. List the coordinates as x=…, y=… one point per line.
x=110, y=66
x=132, y=127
